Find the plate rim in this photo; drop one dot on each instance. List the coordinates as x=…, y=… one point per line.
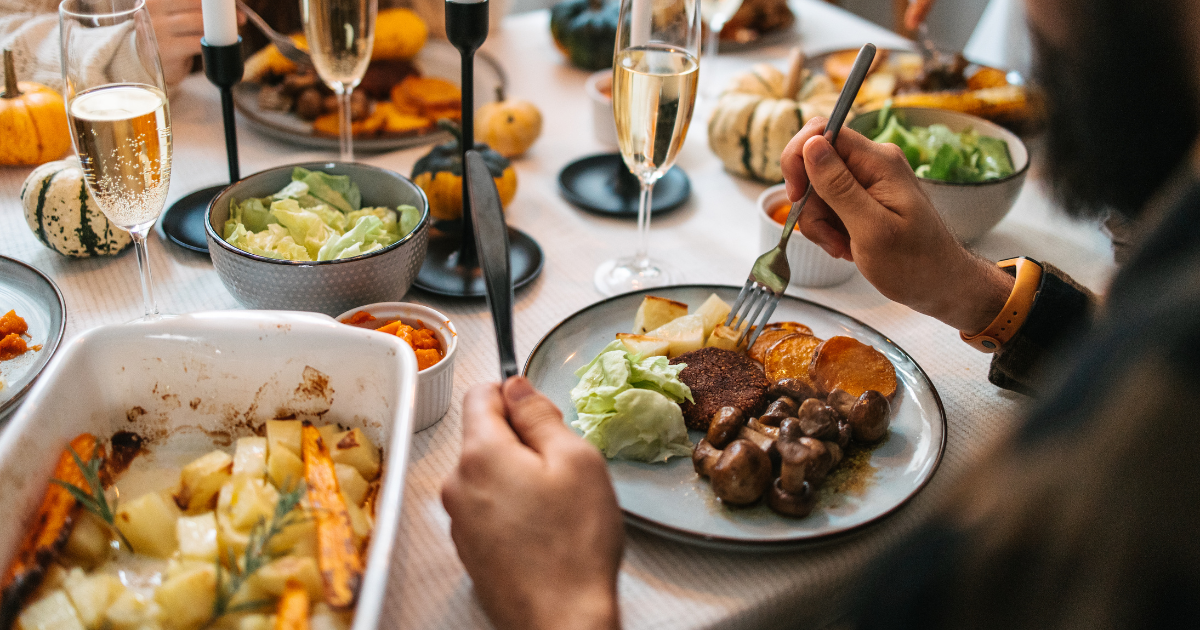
x=760, y=544
x=53, y=339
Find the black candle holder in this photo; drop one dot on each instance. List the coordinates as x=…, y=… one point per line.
x=183, y=222
x=451, y=265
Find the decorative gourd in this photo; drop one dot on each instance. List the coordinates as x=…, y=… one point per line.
x=33, y=121
x=758, y=114
x=64, y=217
x=586, y=31
x=439, y=174
x=509, y=127
x=399, y=34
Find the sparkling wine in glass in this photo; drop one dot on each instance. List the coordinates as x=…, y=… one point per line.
x=340, y=34
x=655, y=70
x=119, y=116
x=716, y=14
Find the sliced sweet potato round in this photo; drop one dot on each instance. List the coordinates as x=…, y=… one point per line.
x=790, y=326
x=849, y=364
x=791, y=357
x=766, y=341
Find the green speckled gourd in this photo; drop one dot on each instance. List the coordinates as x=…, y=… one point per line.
x=586, y=31
x=64, y=217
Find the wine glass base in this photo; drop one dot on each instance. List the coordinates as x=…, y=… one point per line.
x=624, y=275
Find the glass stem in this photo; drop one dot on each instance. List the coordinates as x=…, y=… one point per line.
x=345, y=127
x=709, y=55
x=143, y=259
x=642, y=257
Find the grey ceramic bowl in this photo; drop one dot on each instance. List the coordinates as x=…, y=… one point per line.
x=969, y=210
x=330, y=286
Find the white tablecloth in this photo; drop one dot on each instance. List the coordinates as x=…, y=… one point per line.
x=714, y=238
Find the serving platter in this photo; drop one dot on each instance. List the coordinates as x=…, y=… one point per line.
x=671, y=500
x=437, y=59
x=36, y=298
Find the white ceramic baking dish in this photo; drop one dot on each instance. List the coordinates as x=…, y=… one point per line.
x=220, y=373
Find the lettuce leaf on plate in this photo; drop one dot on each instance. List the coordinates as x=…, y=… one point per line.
x=628, y=406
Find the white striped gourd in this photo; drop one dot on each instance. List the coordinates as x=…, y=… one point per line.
x=759, y=113
x=64, y=217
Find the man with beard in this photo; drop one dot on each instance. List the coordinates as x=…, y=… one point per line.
x=1086, y=516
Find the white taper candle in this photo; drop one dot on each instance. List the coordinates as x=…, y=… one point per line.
x=220, y=22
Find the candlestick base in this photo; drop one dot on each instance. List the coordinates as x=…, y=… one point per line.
x=442, y=274
x=183, y=222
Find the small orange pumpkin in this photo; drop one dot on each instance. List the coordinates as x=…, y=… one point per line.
x=33, y=121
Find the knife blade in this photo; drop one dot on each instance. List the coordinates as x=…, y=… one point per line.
x=491, y=240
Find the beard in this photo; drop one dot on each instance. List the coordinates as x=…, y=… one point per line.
x=1121, y=106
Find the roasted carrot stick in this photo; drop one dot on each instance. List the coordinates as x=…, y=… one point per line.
x=47, y=533
x=337, y=555
x=292, y=612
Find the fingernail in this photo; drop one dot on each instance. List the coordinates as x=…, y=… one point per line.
x=518, y=388
x=819, y=151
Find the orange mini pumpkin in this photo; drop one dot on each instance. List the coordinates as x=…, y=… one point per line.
x=33, y=121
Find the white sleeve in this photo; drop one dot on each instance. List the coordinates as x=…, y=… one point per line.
x=1001, y=38
x=36, y=49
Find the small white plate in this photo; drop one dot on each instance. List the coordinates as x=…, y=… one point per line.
x=671, y=500
x=35, y=298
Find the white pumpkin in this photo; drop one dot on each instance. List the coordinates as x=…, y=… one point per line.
x=759, y=113
x=63, y=215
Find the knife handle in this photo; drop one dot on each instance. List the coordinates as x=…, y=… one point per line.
x=491, y=240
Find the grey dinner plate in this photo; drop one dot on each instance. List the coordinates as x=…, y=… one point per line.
x=671, y=500
x=34, y=297
x=437, y=59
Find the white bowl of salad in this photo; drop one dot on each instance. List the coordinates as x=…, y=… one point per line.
x=321, y=237
x=972, y=169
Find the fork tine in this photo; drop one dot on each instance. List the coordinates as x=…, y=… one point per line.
x=737, y=304
x=772, y=302
x=760, y=300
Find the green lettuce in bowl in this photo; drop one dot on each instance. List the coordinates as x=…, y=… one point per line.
x=628, y=406
x=317, y=216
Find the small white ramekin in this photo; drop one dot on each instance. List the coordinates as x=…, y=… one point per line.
x=599, y=90
x=811, y=266
x=435, y=384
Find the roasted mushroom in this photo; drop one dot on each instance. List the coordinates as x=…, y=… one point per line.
x=817, y=420
x=309, y=104
x=741, y=474
x=795, y=504
x=783, y=407
x=793, y=388
x=835, y=453
x=756, y=425
x=845, y=432
x=820, y=460
x=841, y=401
x=794, y=461
x=763, y=441
x=704, y=457
x=790, y=429
x=870, y=416
x=723, y=429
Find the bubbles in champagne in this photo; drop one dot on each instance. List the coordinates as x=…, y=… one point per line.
x=123, y=137
x=654, y=91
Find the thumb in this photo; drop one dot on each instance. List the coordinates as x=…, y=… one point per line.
x=832, y=181
x=533, y=417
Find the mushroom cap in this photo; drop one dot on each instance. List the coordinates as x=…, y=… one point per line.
x=794, y=504
x=793, y=388
x=817, y=420
x=870, y=416
x=704, y=455
x=842, y=401
x=741, y=474
x=724, y=427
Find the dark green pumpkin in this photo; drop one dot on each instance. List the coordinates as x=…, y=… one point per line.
x=439, y=174
x=586, y=31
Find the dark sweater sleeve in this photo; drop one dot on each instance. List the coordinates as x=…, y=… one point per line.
x=1062, y=310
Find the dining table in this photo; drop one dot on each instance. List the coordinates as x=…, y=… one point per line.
x=713, y=239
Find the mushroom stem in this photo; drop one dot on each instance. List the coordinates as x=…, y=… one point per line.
x=11, y=89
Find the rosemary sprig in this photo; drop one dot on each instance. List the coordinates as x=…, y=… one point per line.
x=257, y=554
x=94, y=499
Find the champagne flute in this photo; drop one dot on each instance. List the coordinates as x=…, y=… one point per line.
x=717, y=14
x=341, y=34
x=119, y=117
x=655, y=68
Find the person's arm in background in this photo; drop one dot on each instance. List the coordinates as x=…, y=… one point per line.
x=916, y=13
x=869, y=209
x=533, y=514
x=33, y=38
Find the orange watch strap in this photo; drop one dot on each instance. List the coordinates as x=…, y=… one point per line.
x=1016, y=309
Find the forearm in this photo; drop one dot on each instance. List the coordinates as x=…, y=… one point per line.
x=973, y=294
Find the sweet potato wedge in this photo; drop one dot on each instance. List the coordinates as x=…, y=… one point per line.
x=292, y=611
x=767, y=340
x=790, y=358
x=337, y=554
x=847, y=363
x=47, y=533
